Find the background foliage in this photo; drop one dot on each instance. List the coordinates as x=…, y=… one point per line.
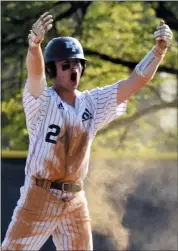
x=115, y=36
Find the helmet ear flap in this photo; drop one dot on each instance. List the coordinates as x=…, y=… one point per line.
x=83, y=63
x=50, y=69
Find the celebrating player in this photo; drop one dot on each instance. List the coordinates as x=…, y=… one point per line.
x=62, y=123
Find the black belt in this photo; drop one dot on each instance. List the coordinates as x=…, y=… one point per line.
x=63, y=186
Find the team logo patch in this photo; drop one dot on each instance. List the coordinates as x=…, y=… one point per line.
x=60, y=106
x=71, y=45
x=86, y=115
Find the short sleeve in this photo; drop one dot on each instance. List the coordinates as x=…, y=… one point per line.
x=106, y=107
x=34, y=107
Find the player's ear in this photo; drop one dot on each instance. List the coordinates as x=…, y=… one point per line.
x=50, y=69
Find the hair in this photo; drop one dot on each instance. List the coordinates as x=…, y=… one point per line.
x=50, y=68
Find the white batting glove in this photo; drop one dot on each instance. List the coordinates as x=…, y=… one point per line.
x=163, y=36
x=39, y=29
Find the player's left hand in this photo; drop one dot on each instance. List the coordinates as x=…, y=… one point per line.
x=163, y=36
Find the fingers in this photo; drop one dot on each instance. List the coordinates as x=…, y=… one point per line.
x=49, y=27
x=48, y=24
x=43, y=24
x=160, y=34
x=44, y=14
x=45, y=21
x=163, y=33
x=39, y=28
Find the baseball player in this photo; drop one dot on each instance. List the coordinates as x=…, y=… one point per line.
x=62, y=123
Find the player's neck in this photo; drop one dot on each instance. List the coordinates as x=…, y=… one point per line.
x=66, y=96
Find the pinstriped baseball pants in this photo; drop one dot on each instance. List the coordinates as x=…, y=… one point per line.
x=40, y=214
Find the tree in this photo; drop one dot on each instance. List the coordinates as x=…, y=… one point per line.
x=126, y=30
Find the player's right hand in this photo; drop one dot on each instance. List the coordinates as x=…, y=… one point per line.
x=39, y=29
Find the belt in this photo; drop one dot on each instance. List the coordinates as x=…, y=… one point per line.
x=63, y=186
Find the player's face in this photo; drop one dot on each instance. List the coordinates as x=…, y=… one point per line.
x=68, y=74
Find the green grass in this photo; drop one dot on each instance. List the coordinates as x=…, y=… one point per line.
x=150, y=155
x=13, y=154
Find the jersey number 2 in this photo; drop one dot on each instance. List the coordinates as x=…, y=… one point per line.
x=49, y=134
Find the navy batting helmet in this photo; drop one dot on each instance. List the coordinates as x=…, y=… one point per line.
x=61, y=49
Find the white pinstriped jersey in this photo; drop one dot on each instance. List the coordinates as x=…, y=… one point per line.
x=61, y=136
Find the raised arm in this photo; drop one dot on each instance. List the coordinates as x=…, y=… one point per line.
x=146, y=69
x=34, y=60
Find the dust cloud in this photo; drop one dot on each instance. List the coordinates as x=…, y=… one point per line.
x=133, y=203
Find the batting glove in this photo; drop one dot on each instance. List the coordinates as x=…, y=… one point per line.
x=39, y=29
x=163, y=36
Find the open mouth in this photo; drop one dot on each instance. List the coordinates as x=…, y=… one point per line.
x=74, y=76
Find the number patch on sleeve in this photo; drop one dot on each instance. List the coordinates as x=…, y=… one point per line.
x=52, y=134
